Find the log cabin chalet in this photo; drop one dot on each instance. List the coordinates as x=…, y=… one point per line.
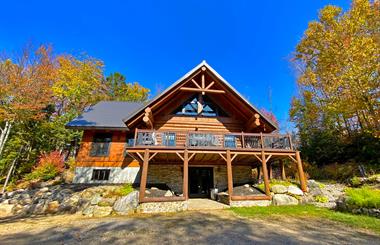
x=198, y=135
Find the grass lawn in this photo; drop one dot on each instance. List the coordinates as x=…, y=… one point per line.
x=358, y=221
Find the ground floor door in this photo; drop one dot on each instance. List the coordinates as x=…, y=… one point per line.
x=201, y=180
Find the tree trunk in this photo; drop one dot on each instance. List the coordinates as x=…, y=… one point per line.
x=4, y=136
x=9, y=175
x=10, y=171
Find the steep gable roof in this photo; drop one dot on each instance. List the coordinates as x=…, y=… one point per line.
x=185, y=79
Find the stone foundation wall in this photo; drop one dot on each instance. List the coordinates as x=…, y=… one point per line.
x=163, y=207
x=240, y=174
x=172, y=175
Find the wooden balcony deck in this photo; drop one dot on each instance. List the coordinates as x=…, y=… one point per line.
x=202, y=140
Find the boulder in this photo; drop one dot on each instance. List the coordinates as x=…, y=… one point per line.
x=294, y=190
x=96, y=199
x=44, y=189
x=6, y=209
x=168, y=194
x=246, y=185
x=102, y=211
x=278, y=189
x=312, y=184
x=283, y=199
x=126, y=204
x=89, y=211
x=52, y=207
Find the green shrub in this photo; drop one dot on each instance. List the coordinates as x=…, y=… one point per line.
x=355, y=181
x=121, y=191
x=321, y=199
x=364, y=197
x=48, y=167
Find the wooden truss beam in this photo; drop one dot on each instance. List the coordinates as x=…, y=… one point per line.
x=213, y=91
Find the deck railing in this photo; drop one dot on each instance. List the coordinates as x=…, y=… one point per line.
x=201, y=139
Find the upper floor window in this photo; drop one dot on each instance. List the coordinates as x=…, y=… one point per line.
x=200, y=107
x=101, y=144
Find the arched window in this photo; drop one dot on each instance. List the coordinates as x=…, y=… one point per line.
x=196, y=107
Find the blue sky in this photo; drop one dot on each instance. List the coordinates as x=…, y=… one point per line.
x=155, y=42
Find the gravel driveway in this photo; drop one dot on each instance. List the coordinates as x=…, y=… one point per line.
x=212, y=227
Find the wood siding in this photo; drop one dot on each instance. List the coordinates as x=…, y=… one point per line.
x=116, y=153
x=186, y=123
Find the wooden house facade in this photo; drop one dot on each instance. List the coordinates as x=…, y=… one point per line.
x=198, y=135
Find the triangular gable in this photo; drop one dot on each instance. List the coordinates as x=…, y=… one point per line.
x=185, y=80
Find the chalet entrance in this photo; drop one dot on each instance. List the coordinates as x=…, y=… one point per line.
x=201, y=180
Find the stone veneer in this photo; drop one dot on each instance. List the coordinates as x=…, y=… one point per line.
x=163, y=207
x=241, y=175
x=172, y=175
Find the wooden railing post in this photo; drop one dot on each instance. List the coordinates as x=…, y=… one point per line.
x=301, y=174
x=265, y=174
x=186, y=174
x=134, y=143
x=229, y=175
x=262, y=140
x=290, y=142
x=144, y=175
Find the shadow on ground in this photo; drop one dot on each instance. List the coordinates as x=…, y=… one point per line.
x=219, y=227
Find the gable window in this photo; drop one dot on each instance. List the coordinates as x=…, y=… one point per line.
x=200, y=106
x=101, y=174
x=101, y=144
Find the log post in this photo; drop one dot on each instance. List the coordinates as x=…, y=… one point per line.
x=144, y=175
x=229, y=174
x=258, y=174
x=265, y=174
x=282, y=166
x=270, y=172
x=186, y=174
x=301, y=174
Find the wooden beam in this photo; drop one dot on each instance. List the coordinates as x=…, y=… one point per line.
x=186, y=174
x=282, y=166
x=268, y=158
x=232, y=159
x=179, y=155
x=221, y=155
x=192, y=155
x=246, y=198
x=210, y=85
x=270, y=170
x=301, y=174
x=138, y=153
x=229, y=175
x=257, y=157
x=294, y=160
x=265, y=174
x=196, y=84
x=214, y=91
x=144, y=175
x=151, y=157
x=253, y=121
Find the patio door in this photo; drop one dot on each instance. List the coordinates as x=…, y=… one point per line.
x=201, y=180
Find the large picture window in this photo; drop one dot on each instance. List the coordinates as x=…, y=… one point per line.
x=101, y=145
x=200, y=107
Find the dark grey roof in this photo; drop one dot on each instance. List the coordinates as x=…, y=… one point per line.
x=105, y=115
